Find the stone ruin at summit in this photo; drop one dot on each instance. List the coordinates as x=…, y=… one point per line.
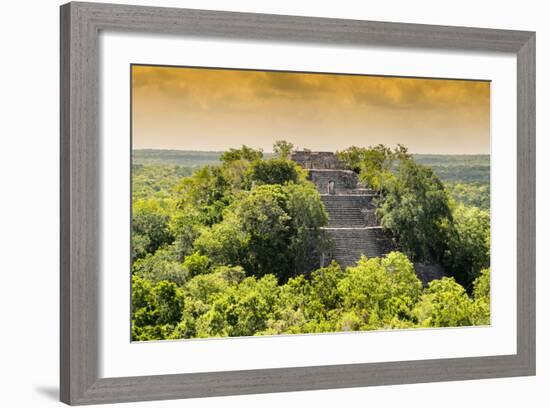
x=353, y=225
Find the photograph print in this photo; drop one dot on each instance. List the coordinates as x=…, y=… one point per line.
x=290, y=203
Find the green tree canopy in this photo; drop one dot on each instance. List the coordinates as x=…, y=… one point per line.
x=270, y=229
x=373, y=164
x=206, y=193
x=381, y=292
x=156, y=309
x=272, y=171
x=482, y=298
x=244, y=153
x=469, y=244
x=416, y=210
x=233, y=249
x=149, y=227
x=163, y=265
x=445, y=304
x=283, y=149
x=241, y=310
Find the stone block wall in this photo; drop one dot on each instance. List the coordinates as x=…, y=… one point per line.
x=345, y=181
x=316, y=160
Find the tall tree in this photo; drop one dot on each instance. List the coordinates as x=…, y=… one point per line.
x=270, y=229
x=206, y=193
x=444, y=304
x=374, y=164
x=149, y=227
x=416, y=210
x=469, y=244
x=283, y=149
x=272, y=171
x=244, y=153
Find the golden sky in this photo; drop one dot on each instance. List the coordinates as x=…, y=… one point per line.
x=215, y=109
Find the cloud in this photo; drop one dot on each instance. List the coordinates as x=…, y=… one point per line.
x=201, y=102
x=413, y=93
x=289, y=85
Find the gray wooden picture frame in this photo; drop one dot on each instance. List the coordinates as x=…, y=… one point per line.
x=80, y=191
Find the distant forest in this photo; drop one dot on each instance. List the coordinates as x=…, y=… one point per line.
x=466, y=177
x=449, y=168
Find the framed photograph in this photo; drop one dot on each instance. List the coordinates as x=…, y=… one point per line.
x=259, y=203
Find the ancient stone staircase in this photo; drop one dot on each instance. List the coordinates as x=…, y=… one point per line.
x=351, y=210
x=353, y=228
x=353, y=225
x=351, y=243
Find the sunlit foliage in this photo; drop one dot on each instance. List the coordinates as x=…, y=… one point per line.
x=233, y=248
x=468, y=244
x=373, y=164
x=416, y=210
x=377, y=293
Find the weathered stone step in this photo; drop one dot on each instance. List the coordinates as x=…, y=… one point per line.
x=348, y=200
x=349, y=210
x=351, y=243
x=347, y=223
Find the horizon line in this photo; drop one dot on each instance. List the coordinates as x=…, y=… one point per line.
x=271, y=152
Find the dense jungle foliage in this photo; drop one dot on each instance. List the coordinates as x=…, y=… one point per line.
x=230, y=245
